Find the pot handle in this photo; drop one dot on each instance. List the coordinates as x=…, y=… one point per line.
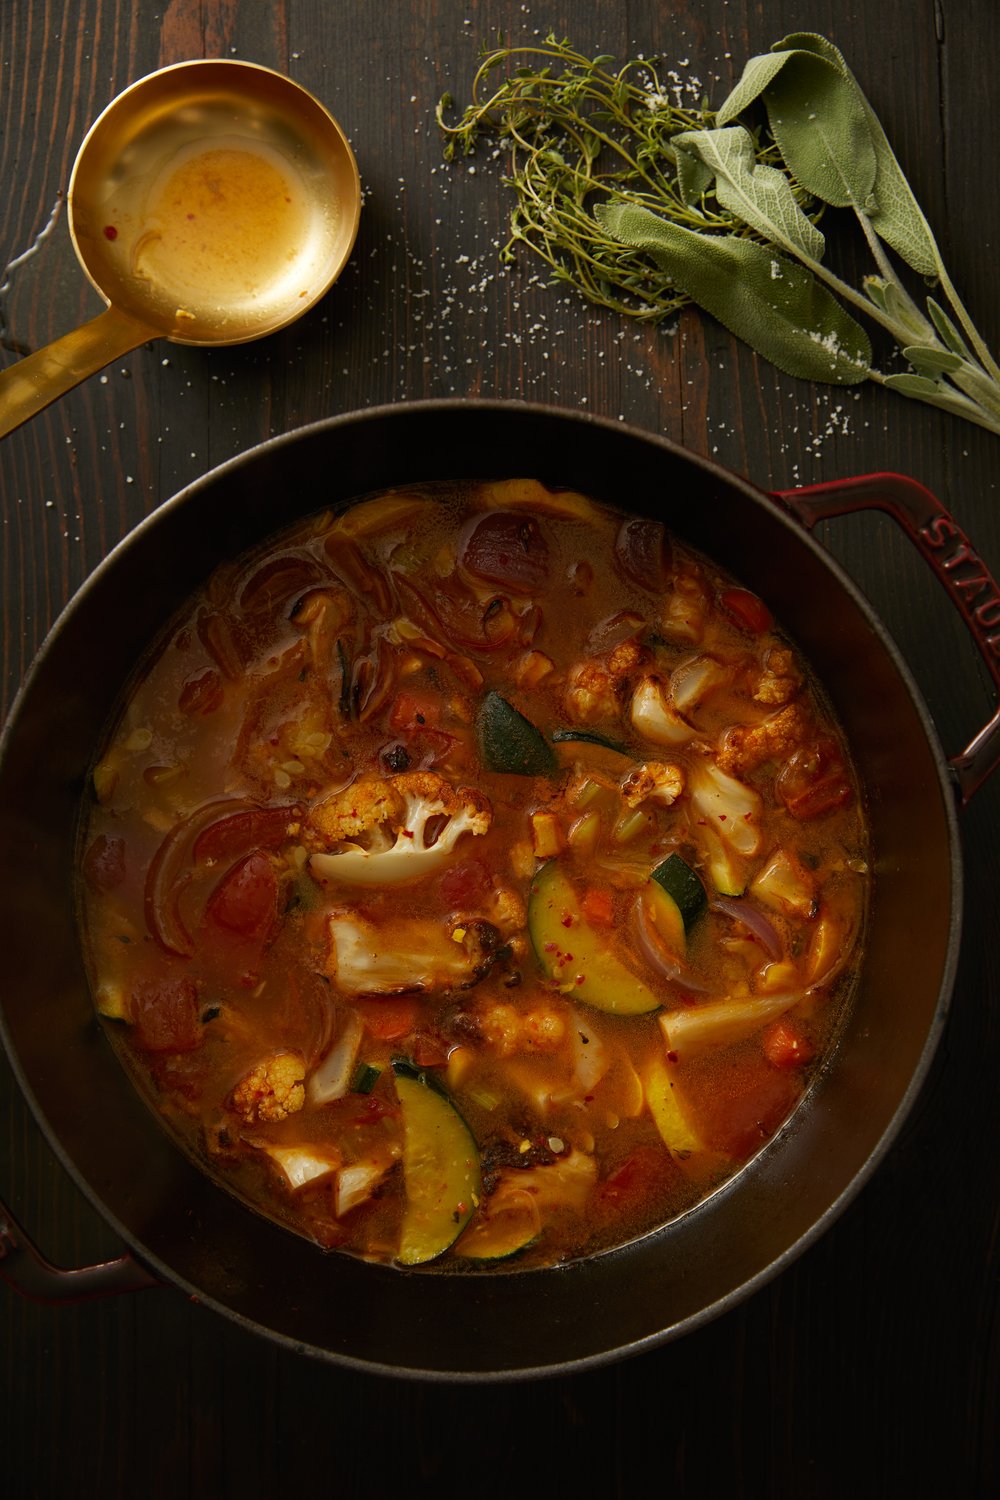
x=957, y=565
x=24, y=1268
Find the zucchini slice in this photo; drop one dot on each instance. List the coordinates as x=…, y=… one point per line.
x=574, y=955
x=503, y=1234
x=440, y=1168
x=677, y=879
x=674, y=899
x=510, y=743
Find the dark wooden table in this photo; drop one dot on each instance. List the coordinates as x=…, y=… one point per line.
x=872, y=1365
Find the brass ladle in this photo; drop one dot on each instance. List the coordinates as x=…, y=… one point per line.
x=212, y=202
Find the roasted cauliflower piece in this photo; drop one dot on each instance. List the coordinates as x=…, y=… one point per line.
x=272, y=1090
x=388, y=830
x=747, y=746
x=779, y=682
x=652, y=782
x=508, y=1031
x=407, y=955
x=597, y=686
x=590, y=694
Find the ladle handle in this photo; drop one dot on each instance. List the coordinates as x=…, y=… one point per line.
x=40, y=378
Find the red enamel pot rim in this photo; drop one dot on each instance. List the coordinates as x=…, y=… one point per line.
x=475, y=1326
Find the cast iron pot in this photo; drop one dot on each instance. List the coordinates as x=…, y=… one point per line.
x=179, y=1225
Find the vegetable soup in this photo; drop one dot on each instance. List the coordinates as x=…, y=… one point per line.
x=474, y=878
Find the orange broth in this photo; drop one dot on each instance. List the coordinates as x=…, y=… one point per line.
x=475, y=878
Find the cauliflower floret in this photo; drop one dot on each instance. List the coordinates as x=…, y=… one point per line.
x=597, y=687
x=406, y=955
x=272, y=1090
x=655, y=718
x=652, y=782
x=508, y=1031
x=397, y=829
x=747, y=746
x=590, y=694
x=779, y=682
x=361, y=809
x=685, y=609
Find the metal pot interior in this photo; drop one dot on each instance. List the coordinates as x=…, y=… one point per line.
x=474, y=1325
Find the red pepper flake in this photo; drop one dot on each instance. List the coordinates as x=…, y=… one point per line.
x=566, y=920
x=110, y=232
x=723, y=817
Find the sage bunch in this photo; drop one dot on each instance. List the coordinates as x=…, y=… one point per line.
x=726, y=215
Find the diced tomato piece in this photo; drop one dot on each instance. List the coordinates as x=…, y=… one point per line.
x=373, y=1109
x=466, y=884
x=814, y=781
x=746, y=1107
x=245, y=901
x=749, y=612
x=164, y=1014
x=429, y=1051
x=786, y=1045
x=389, y=1017
x=410, y=713
x=104, y=863
x=239, y=832
x=597, y=906
x=639, y=1175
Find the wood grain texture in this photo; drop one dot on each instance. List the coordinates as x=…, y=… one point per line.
x=871, y=1367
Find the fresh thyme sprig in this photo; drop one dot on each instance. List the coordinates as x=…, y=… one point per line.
x=575, y=130
x=643, y=205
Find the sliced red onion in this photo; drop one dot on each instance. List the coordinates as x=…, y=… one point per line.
x=664, y=963
x=508, y=548
x=643, y=550
x=752, y=919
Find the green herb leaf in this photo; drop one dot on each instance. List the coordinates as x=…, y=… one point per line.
x=761, y=196
x=947, y=331
x=906, y=314
x=912, y=385
x=817, y=116
x=758, y=73
x=894, y=212
x=775, y=305
x=875, y=291
x=819, y=122
x=694, y=178
x=932, y=361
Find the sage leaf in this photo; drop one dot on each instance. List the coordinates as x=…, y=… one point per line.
x=694, y=178
x=821, y=128
x=913, y=385
x=932, y=361
x=761, y=196
x=817, y=116
x=894, y=212
x=975, y=383
x=906, y=314
x=875, y=291
x=774, y=304
x=758, y=73
x=947, y=332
